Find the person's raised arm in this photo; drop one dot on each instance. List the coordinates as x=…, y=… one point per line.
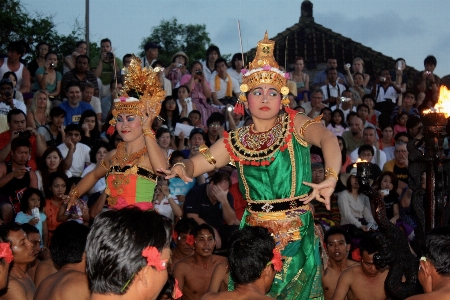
x=229, y=215
x=67, y=162
x=343, y=285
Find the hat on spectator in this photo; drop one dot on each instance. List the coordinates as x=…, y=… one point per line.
x=180, y=53
x=6, y=81
x=151, y=45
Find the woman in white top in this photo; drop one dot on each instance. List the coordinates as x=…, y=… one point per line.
x=184, y=102
x=236, y=66
x=164, y=139
x=49, y=163
x=98, y=152
x=354, y=207
x=165, y=203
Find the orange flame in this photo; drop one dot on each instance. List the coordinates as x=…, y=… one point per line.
x=443, y=104
x=359, y=160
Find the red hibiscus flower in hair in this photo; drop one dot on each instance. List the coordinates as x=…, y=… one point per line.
x=6, y=252
x=356, y=255
x=176, y=291
x=276, y=260
x=190, y=240
x=154, y=258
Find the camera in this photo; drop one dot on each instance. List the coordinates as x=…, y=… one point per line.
x=345, y=99
x=382, y=79
x=199, y=72
x=179, y=65
x=348, y=66
x=230, y=108
x=427, y=72
x=26, y=134
x=110, y=55
x=52, y=65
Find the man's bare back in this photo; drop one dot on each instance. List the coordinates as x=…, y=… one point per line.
x=236, y=295
x=330, y=278
x=64, y=285
x=194, y=278
x=43, y=270
x=355, y=285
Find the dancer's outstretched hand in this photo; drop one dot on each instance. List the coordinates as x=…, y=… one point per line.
x=176, y=170
x=321, y=191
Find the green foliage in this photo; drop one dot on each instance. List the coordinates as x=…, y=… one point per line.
x=173, y=37
x=18, y=24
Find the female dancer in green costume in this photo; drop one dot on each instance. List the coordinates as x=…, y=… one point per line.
x=273, y=161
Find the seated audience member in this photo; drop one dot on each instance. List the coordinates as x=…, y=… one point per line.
x=321, y=214
x=366, y=152
x=89, y=98
x=313, y=108
x=79, y=212
x=224, y=88
x=137, y=266
x=177, y=186
x=387, y=138
x=35, y=238
x=332, y=89
x=399, y=165
x=42, y=49
x=196, y=119
x=215, y=128
x=414, y=127
x=69, y=61
x=47, y=77
x=38, y=114
x=184, y=102
x=212, y=203
x=80, y=74
x=370, y=138
x=165, y=203
x=367, y=279
x=354, y=137
x=300, y=80
x=13, y=77
x=345, y=103
x=356, y=214
x=399, y=137
x=373, y=115
x=164, y=139
x=51, y=162
x=20, y=285
x=346, y=161
x=31, y=199
x=337, y=243
x=70, y=282
x=169, y=112
x=196, y=139
x=407, y=106
x=13, y=63
x=326, y=116
x=181, y=231
x=74, y=107
x=177, y=68
x=76, y=154
x=400, y=126
x=194, y=272
x=337, y=124
x=15, y=177
x=385, y=93
x=53, y=132
x=253, y=262
x=237, y=65
x=7, y=103
x=426, y=83
x=89, y=125
x=434, y=269
x=321, y=77
x=16, y=122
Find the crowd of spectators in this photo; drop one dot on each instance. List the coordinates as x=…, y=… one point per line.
x=53, y=132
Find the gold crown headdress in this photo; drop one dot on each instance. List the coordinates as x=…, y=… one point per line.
x=146, y=84
x=263, y=69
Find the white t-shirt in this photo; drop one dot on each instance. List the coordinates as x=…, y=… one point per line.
x=96, y=105
x=164, y=208
x=382, y=157
x=99, y=186
x=236, y=75
x=335, y=91
x=382, y=95
x=80, y=157
x=223, y=86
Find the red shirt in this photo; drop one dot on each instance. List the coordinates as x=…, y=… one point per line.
x=5, y=137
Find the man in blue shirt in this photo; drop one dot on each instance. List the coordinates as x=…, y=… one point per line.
x=74, y=107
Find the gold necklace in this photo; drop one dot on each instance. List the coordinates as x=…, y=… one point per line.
x=122, y=158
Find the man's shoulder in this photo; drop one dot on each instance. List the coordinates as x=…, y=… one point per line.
x=85, y=106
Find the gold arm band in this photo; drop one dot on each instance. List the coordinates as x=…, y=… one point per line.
x=149, y=132
x=329, y=172
x=309, y=122
x=74, y=193
x=179, y=164
x=204, y=150
x=102, y=163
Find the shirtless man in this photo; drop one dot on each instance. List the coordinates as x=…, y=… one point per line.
x=338, y=246
x=434, y=272
x=35, y=238
x=252, y=266
x=70, y=282
x=20, y=285
x=365, y=281
x=183, y=250
x=194, y=272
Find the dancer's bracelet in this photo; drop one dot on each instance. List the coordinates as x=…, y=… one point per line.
x=204, y=150
x=329, y=172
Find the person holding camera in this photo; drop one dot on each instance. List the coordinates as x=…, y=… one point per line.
x=105, y=67
x=47, y=78
x=17, y=128
x=385, y=92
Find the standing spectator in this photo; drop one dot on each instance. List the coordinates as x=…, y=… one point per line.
x=209, y=65
x=51, y=162
x=53, y=132
x=332, y=90
x=16, y=122
x=70, y=60
x=12, y=63
x=177, y=68
x=20, y=285
x=426, y=83
x=236, y=67
x=39, y=113
x=7, y=103
x=200, y=90
x=89, y=98
x=79, y=74
x=13, y=77
x=76, y=154
x=224, y=88
x=105, y=67
x=31, y=199
x=398, y=76
x=151, y=54
x=385, y=92
x=74, y=107
x=47, y=78
x=15, y=178
x=301, y=79
x=42, y=49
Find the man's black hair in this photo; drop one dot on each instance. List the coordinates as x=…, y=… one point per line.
x=368, y=244
x=337, y=230
x=82, y=56
x=5, y=229
x=57, y=111
x=437, y=249
x=430, y=59
x=212, y=48
x=13, y=112
x=20, y=141
x=364, y=148
x=218, y=177
x=68, y=243
x=196, y=230
x=71, y=84
x=73, y=127
x=28, y=228
x=216, y=117
x=185, y=225
x=17, y=46
x=218, y=61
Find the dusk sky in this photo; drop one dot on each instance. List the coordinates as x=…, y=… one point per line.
x=410, y=29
